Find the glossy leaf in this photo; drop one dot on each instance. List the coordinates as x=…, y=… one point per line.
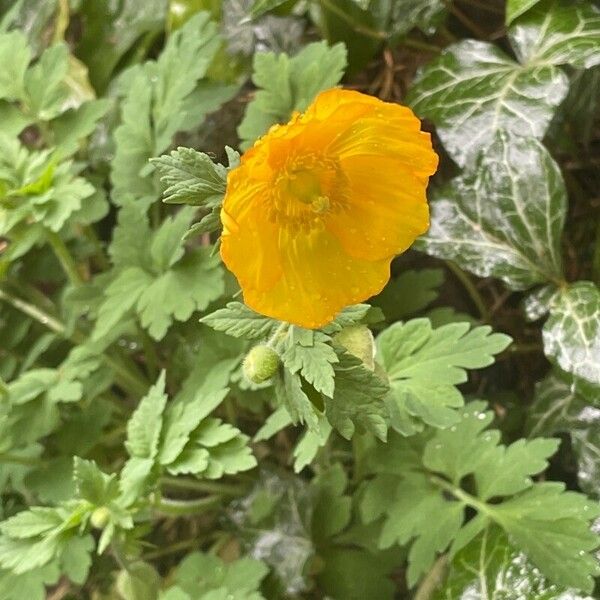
x=515, y=8
x=473, y=90
x=505, y=218
x=558, y=32
x=572, y=332
x=566, y=405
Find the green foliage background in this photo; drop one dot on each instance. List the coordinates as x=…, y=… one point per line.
x=439, y=443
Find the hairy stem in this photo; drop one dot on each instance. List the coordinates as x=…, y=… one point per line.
x=211, y=487
x=64, y=258
x=176, y=508
x=471, y=289
x=460, y=494
x=433, y=579
x=358, y=27
x=130, y=381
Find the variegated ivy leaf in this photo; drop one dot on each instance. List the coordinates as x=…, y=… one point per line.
x=572, y=332
x=504, y=219
x=474, y=89
x=565, y=404
x=558, y=32
x=515, y=8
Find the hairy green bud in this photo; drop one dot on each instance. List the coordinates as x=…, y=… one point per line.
x=260, y=364
x=100, y=517
x=358, y=341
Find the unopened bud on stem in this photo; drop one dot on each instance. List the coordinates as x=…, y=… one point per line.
x=358, y=340
x=100, y=517
x=260, y=364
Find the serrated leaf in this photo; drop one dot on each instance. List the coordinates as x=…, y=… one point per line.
x=14, y=56
x=489, y=567
x=275, y=422
x=76, y=124
x=549, y=524
x=358, y=399
x=351, y=315
x=409, y=293
x=288, y=84
x=424, y=366
x=504, y=219
x=238, y=320
x=182, y=418
x=159, y=101
x=158, y=299
x=314, y=362
x=200, y=574
x=572, y=332
x=144, y=426
x=135, y=478
x=45, y=86
x=309, y=444
x=191, y=285
x=120, y=296
x=191, y=177
x=260, y=7
x=289, y=393
x=31, y=523
x=30, y=585
x=92, y=484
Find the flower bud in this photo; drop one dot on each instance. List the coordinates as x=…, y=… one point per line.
x=358, y=341
x=100, y=517
x=260, y=364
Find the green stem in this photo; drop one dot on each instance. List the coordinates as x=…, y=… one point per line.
x=465, y=20
x=433, y=579
x=176, y=508
x=279, y=335
x=34, y=312
x=172, y=549
x=469, y=286
x=64, y=258
x=460, y=494
x=211, y=487
x=359, y=28
x=100, y=254
x=419, y=45
x=20, y=460
x=131, y=382
x=152, y=362
x=525, y=348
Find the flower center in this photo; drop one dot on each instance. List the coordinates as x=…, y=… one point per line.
x=306, y=189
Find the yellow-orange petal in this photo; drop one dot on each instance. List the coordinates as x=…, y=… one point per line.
x=249, y=242
x=319, y=206
x=386, y=208
x=318, y=280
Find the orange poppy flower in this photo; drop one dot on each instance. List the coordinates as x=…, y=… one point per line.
x=318, y=208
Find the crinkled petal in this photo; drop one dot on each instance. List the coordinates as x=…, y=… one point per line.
x=249, y=245
x=385, y=211
x=318, y=280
